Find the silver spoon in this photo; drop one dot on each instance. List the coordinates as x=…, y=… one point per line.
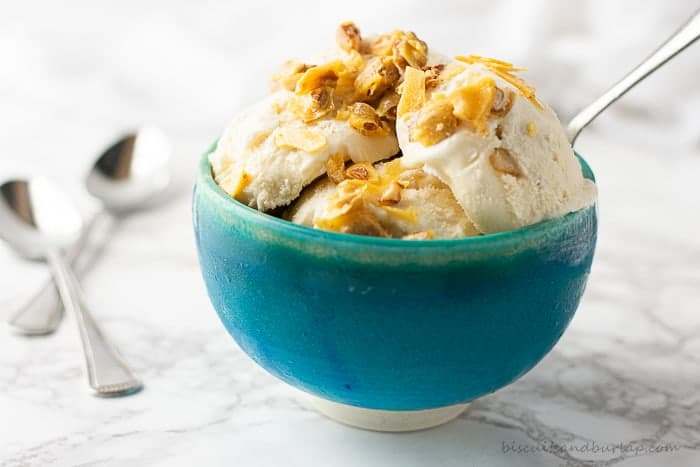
x=38, y=221
x=126, y=177
x=686, y=35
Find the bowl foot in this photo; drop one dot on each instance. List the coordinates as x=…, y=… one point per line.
x=386, y=420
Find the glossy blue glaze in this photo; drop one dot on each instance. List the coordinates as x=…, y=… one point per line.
x=385, y=323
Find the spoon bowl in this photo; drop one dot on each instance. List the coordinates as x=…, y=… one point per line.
x=35, y=216
x=131, y=171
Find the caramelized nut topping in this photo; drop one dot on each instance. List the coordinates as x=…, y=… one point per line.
x=383, y=45
x=412, y=92
x=288, y=75
x=313, y=105
x=300, y=138
x=505, y=71
x=502, y=102
x=502, y=161
x=412, y=50
x=392, y=195
x=319, y=76
x=387, y=105
x=432, y=75
x=364, y=119
x=348, y=36
x=335, y=167
x=404, y=47
x=361, y=171
x=378, y=75
x=434, y=123
x=427, y=235
x=472, y=103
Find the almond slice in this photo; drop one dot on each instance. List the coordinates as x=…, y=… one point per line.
x=364, y=119
x=392, y=195
x=347, y=36
x=502, y=161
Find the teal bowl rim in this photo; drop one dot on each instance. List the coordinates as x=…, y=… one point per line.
x=523, y=235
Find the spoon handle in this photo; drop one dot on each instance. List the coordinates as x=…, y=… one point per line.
x=108, y=373
x=43, y=312
x=686, y=35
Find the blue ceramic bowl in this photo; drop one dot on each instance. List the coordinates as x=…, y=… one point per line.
x=386, y=323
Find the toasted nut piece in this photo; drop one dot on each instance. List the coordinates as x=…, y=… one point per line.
x=404, y=47
x=335, y=167
x=412, y=50
x=300, y=138
x=392, y=194
x=412, y=92
x=364, y=119
x=353, y=62
x=427, y=235
x=348, y=196
x=320, y=76
x=472, y=103
x=362, y=171
x=383, y=46
x=502, y=161
x=387, y=105
x=499, y=131
x=378, y=75
x=347, y=36
x=435, y=122
x=502, y=102
x=312, y=105
x=432, y=75
x=531, y=129
x=288, y=75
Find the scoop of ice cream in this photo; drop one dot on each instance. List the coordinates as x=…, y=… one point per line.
x=387, y=201
x=338, y=104
x=481, y=131
x=267, y=155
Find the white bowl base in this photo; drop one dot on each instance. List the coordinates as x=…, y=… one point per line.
x=386, y=420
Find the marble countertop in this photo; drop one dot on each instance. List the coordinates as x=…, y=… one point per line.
x=622, y=387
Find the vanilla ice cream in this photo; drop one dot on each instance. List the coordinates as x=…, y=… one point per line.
x=508, y=167
x=383, y=137
x=267, y=155
x=392, y=202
